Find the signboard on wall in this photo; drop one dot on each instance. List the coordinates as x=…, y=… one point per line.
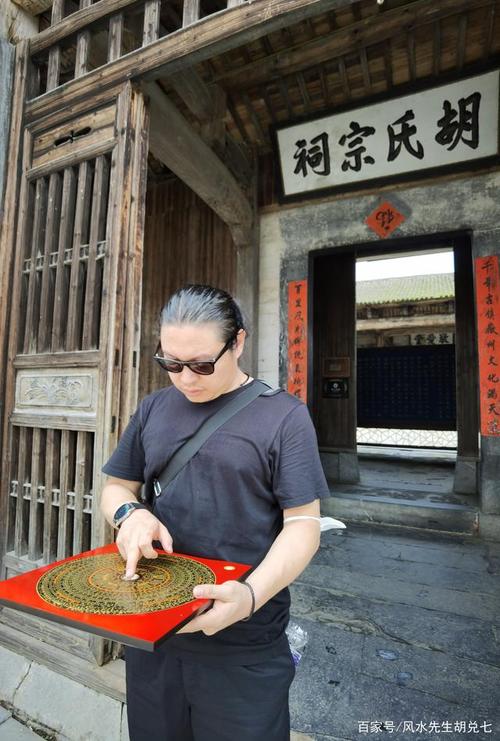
x=297, y=339
x=434, y=129
x=488, y=321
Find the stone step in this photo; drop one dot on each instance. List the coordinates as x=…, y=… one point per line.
x=408, y=508
x=394, y=453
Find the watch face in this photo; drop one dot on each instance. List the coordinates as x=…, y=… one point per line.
x=122, y=511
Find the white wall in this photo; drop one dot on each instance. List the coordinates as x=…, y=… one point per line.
x=269, y=299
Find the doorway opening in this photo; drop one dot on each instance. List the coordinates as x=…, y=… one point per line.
x=393, y=378
x=405, y=356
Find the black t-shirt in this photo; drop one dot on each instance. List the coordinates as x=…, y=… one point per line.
x=227, y=502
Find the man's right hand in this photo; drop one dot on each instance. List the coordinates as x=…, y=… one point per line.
x=135, y=539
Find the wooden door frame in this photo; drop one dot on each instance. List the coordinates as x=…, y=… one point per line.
x=466, y=343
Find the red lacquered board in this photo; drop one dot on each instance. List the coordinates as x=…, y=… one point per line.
x=87, y=592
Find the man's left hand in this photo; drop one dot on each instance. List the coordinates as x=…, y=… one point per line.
x=232, y=602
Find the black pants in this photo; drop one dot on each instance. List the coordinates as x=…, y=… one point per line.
x=171, y=698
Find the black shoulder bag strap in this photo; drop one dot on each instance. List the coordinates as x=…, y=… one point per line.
x=191, y=446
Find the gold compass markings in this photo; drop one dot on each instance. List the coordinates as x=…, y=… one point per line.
x=108, y=578
x=94, y=584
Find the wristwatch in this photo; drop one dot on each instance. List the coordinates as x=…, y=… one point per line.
x=124, y=511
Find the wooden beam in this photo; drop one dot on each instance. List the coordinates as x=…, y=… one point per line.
x=209, y=104
x=213, y=35
x=238, y=158
x=343, y=77
x=237, y=120
x=489, y=30
x=389, y=77
x=436, y=49
x=303, y=92
x=269, y=106
x=175, y=143
x=461, y=41
x=412, y=57
x=368, y=31
x=324, y=85
x=105, y=8
x=410, y=323
x=213, y=130
x=196, y=94
x=283, y=88
x=260, y=136
x=76, y=22
x=365, y=68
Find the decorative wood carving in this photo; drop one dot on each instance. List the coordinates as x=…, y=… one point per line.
x=74, y=390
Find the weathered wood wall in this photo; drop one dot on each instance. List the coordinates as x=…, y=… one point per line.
x=185, y=242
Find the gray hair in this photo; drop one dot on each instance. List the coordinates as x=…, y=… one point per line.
x=200, y=304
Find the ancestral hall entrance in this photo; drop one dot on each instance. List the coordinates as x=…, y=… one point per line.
x=339, y=385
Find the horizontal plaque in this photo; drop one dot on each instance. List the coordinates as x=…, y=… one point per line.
x=424, y=132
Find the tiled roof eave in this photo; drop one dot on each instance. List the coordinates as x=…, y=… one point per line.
x=433, y=299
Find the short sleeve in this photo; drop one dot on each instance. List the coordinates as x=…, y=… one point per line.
x=298, y=474
x=128, y=460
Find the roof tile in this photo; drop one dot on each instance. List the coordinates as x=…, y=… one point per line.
x=407, y=288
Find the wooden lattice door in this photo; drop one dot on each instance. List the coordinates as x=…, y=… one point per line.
x=73, y=336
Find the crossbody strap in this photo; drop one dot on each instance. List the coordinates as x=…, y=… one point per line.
x=184, y=454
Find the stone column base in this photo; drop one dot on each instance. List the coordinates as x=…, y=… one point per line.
x=466, y=475
x=340, y=468
x=489, y=527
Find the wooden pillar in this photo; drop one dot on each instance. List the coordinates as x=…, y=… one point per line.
x=466, y=372
x=8, y=232
x=334, y=336
x=247, y=292
x=7, y=56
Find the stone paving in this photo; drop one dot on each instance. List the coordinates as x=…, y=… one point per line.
x=404, y=644
x=404, y=625
x=13, y=730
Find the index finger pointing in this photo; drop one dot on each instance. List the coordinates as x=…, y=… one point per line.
x=133, y=556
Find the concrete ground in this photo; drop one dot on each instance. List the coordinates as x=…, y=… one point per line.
x=404, y=640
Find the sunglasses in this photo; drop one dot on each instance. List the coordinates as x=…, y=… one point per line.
x=202, y=367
